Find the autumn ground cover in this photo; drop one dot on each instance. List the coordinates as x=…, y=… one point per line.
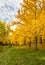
x=21, y=56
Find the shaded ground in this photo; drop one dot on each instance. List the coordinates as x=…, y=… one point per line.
x=17, y=56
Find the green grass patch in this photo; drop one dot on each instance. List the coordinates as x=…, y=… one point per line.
x=13, y=56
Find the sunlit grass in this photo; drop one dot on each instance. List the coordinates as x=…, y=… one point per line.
x=43, y=58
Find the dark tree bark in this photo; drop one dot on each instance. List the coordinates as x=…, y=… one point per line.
x=1, y=46
x=36, y=42
x=24, y=40
x=29, y=43
x=40, y=39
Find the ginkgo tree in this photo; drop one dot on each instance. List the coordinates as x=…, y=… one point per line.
x=32, y=16
x=13, y=34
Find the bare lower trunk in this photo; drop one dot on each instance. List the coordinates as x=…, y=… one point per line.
x=36, y=43
x=29, y=43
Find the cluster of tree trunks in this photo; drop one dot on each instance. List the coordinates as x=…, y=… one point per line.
x=29, y=42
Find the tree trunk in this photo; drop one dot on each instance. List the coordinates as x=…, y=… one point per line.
x=40, y=39
x=1, y=46
x=36, y=43
x=29, y=43
x=24, y=40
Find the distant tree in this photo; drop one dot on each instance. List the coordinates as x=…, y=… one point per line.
x=3, y=32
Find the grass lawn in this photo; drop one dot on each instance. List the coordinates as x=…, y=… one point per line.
x=13, y=56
